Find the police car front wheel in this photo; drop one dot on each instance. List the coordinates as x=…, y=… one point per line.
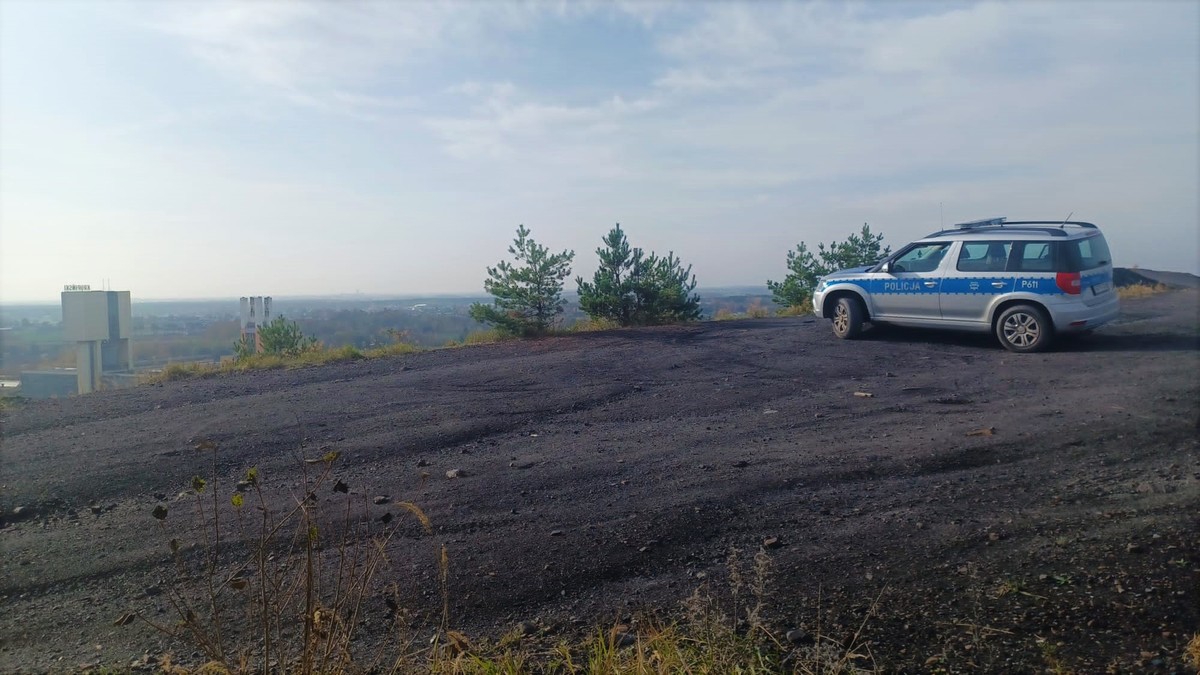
x=848, y=318
x=1024, y=328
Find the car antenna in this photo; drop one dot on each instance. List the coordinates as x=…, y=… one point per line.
x=1064, y=222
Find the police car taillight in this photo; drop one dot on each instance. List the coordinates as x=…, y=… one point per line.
x=1069, y=282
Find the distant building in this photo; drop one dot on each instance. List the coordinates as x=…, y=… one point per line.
x=256, y=313
x=56, y=383
x=101, y=323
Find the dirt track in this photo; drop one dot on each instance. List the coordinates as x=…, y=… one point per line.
x=610, y=472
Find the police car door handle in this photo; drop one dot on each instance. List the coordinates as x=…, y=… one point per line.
x=997, y=284
x=930, y=284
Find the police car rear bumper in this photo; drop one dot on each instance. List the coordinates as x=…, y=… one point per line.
x=1080, y=318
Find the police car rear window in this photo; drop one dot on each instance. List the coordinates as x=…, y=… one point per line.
x=1086, y=254
x=1035, y=256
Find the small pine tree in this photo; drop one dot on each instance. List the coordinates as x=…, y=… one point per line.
x=611, y=295
x=280, y=337
x=630, y=288
x=805, y=268
x=665, y=292
x=528, y=294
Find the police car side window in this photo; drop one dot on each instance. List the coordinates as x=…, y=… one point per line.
x=925, y=258
x=984, y=256
x=1034, y=256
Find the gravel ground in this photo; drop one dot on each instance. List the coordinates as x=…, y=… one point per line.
x=984, y=511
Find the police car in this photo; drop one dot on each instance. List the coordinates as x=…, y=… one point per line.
x=1025, y=281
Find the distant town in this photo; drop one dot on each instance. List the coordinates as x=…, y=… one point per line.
x=34, y=338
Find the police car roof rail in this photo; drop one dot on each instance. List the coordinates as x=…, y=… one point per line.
x=1060, y=223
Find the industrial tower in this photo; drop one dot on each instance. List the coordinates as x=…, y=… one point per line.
x=101, y=322
x=256, y=313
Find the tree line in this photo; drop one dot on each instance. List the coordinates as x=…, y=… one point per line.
x=629, y=288
x=633, y=288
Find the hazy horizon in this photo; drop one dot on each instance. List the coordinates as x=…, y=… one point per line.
x=209, y=150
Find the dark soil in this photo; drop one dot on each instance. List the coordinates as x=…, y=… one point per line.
x=985, y=511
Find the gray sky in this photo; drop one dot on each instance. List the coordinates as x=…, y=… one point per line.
x=197, y=149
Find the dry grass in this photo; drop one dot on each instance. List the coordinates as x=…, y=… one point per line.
x=796, y=310
x=487, y=337
x=10, y=402
x=1141, y=291
x=1191, y=653
x=313, y=357
x=285, y=594
x=590, y=325
x=756, y=310
x=277, y=580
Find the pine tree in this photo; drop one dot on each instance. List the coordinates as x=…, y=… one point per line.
x=611, y=296
x=664, y=292
x=805, y=268
x=630, y=288
x=528, y=294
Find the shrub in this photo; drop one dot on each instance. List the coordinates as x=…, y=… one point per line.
x=280, y=337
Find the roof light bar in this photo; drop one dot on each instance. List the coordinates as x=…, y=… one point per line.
x=986, y=222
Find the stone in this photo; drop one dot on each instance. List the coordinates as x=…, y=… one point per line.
x=771, y=542
x=799, y=636
x=456, y=473
x=381, y=499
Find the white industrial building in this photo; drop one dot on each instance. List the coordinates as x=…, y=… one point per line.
x=101, y=323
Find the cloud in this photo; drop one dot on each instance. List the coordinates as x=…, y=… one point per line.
x=326, y=54
x=506, y=123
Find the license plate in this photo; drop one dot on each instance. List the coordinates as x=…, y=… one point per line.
x=1101, y=288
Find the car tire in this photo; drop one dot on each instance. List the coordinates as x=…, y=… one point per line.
x=1024, y=329
x=848, y=317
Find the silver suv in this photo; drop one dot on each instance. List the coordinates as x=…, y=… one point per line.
x=1025, y=281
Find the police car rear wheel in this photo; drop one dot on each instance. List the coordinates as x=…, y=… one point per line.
x=1024, y=328
x=847, y=318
